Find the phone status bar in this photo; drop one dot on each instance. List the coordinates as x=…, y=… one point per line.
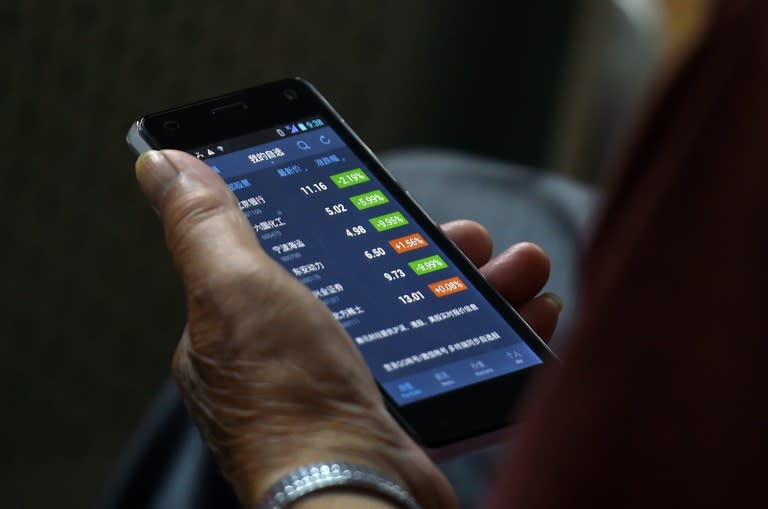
x=263, y=136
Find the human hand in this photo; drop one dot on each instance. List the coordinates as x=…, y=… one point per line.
x=518, y=274
x=270, y=378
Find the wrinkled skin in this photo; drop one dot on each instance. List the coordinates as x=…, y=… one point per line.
x=268, y=375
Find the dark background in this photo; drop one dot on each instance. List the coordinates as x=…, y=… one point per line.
x=91, y=309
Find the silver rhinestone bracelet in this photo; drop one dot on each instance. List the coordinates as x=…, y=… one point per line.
x=316, y=477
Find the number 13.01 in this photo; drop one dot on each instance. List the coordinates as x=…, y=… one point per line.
x=410, y=298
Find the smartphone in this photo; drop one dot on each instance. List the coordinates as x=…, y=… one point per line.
x=451, y=357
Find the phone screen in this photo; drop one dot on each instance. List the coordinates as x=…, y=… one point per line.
x=423, y=328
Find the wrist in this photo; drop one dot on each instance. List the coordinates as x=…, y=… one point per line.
x=373, y=440
x=263, y=474
x=339, y=500
x=339, y=478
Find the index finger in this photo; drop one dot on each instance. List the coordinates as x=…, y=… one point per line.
x=472, y=238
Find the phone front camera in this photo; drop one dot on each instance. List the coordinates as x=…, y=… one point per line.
x=171, y=125
x=290, y=94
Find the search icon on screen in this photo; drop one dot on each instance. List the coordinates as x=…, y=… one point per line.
x=303, y=145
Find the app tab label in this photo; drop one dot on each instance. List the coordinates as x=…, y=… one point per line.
x=408, y=243
x=388, y=221
x=426, y=265
x=446, y=287
x=368, y=200
x=350, y=178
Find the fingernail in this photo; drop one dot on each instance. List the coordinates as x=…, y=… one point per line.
x=554, y=299
x=155, y=175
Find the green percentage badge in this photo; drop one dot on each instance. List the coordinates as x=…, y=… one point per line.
x=426, y=265
x=388, y=221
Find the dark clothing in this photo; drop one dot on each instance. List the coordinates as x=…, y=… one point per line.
x=660, y=399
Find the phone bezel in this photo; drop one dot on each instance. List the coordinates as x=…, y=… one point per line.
x=435, y=422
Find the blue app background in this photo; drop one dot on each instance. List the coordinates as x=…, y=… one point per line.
x=417, y=342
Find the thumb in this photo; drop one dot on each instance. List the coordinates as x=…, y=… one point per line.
x=206, y=234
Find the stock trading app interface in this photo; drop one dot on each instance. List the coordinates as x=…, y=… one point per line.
x=319, y=211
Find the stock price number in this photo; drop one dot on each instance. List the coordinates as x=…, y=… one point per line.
x=317, y=187
x=394, y=274
x=410, y=298
x=335, y=210
x=376, y=252
x=356, y=231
